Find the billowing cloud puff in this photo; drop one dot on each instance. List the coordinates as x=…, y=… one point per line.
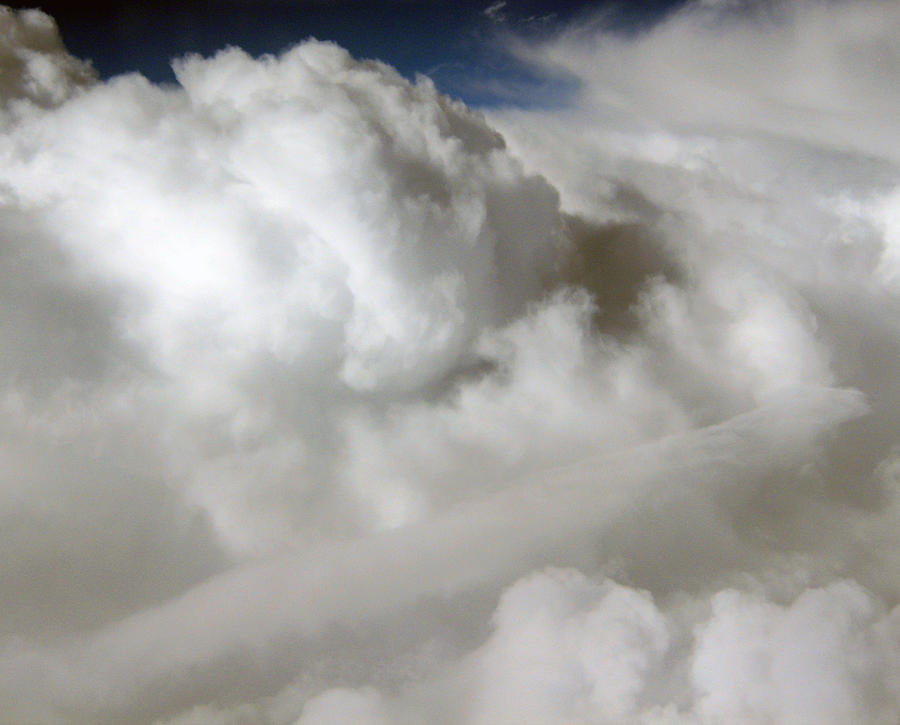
x=565, y=648
x=325, y=399
x=830, y=656
x=587, y=652
x=230, y=211
x=267, y=279
x=33, y=64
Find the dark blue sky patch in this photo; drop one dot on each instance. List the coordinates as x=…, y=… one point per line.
x=456, y=43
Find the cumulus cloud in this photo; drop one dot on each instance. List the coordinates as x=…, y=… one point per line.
x=327, y=399
x=270, y=280
x=34, y=65
x=566, y=648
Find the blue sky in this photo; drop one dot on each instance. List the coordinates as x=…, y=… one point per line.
x=456, y=43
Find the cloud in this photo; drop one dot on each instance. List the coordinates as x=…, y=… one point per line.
x=270, y=281
x=327, y=399
x=547, y=517
x=34, y=66
x=568, y=648
x=819, y=72
x=829, y=656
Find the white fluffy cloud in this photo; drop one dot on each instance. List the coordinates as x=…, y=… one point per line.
x=34, y=66
x=830, y=656
x=566, y=649
x=268, y=279
x=326, y=399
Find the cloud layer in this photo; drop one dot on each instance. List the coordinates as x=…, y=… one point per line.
x=326, y=399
